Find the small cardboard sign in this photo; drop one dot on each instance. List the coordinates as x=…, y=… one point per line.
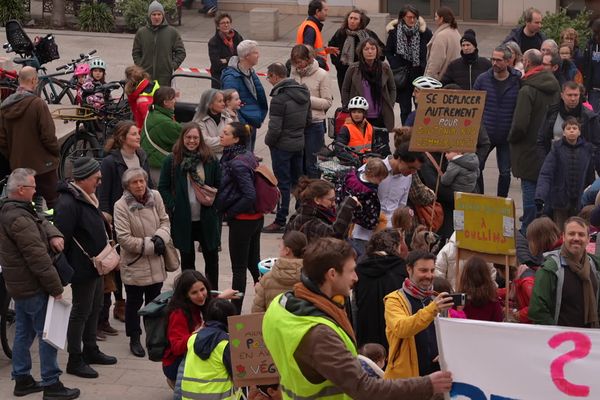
x=251, y=362
x=484, y=224
x=447, y=120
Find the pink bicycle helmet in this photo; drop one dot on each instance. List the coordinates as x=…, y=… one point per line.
x=82, y=69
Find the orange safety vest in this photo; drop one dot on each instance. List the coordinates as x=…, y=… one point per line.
x=318, y=46
x=358, y=141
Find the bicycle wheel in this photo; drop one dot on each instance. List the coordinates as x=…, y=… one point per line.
x=76, y=146
x=54, y=91
x=7, y=325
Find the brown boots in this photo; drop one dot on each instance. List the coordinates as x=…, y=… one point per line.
x=119, y=310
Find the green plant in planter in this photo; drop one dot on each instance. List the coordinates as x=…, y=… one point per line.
x=11, y=9
x=96, y=17
x=554, y=23
x=136, y=12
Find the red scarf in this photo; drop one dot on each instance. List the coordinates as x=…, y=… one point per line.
x=409, y=287
x=328, y=213
x=228, y=39
x=533, y=71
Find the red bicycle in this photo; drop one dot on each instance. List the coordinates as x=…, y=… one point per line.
x=9, y=82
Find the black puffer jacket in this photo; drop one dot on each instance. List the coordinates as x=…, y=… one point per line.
x=26, y=265
x=464, y=70
x=79, y=219
x=289, y=115
x=378, y=276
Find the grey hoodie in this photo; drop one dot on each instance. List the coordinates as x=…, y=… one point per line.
x=462, y=173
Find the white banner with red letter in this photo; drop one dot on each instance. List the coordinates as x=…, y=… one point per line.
x=503, y=361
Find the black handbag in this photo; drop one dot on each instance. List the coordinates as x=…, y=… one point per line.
x=400, y=77
x=64, y=269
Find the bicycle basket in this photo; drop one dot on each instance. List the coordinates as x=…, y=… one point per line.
x=18, y=39
x=46, y=49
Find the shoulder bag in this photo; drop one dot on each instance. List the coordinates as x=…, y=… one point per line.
x=107, y=260
x=157, y=147
x=204, y=193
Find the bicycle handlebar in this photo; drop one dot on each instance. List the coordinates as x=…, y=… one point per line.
x=82, y=57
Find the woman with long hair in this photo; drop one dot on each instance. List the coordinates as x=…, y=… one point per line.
x=236, y=201
x=192, y=162
x=317, y=217
x=123, y=151
x=347, y=38
x=372, y=79
x=210, y=116
x=185, y=313
x=444, y=46
x=477, y=284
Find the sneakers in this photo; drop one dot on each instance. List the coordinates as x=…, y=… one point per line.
x=106, y=329
x=25, y=385
x=273, y=228
x=95, y=356
x=76, y=366
x=58, y=391
x=211, y=12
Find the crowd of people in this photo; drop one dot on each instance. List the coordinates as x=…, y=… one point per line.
x=361, y=275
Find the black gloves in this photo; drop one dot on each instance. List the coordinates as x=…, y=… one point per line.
x=539, y=208
x=159, y=245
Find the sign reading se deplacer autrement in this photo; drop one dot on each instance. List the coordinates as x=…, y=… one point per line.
x=447, y=120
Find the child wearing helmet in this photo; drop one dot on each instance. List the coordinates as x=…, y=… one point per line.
x=97, y=77
x=357, y=132
x=81, y=73
x=420, y=83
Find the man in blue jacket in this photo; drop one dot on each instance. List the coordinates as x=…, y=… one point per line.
x=240, y=75
x=502, y=85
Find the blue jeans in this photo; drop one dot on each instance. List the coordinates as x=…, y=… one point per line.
x=287, y=167
x=503, y=162
x=314, y=140
x=30, y=315
x=529, y=210
x=251, y=141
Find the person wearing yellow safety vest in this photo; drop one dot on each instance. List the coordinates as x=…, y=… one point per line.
x=357, y=132
x=311, y=340
x=140, y=92
x=207, y=371
x=309, y=32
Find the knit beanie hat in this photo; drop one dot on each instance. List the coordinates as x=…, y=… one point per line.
x=84, y=167
x=155, y=6
x=469, y=36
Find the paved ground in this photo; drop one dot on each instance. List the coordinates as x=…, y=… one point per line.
x=134, y=378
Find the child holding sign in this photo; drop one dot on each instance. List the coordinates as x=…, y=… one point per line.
x=462, y=172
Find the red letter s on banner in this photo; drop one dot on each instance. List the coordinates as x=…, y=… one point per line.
x=581, y=350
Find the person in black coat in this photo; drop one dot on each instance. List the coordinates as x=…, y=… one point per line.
x=464, y=70
x=77, y=216
x=409, y=53
x=221, y=47
x=346, y=39
x=380, y=272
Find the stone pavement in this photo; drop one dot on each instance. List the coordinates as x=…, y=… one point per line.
x=134, y=378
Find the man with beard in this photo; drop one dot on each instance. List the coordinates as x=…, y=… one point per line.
x=464, y=70
x=566, y=286
x=409, y=315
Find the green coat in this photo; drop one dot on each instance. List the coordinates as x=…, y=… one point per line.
x=164, y=132
x=537, y=92
x=546, y=297
x=159, y=50
x=175, y=181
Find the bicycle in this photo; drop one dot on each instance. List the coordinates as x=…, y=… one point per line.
x=88, y=140
x=8, y=83
x=7, y=319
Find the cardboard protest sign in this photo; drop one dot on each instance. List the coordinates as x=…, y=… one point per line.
x=251, y=362
x=484, y=224
x=447, y=120
x=491, y=360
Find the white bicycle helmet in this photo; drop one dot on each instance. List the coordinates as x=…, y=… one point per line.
x=265, y=265
x=427, y=82
x=359, y=103
x=98, y=63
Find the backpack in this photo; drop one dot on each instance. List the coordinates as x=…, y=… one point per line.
x=267, y=193
x=155, y=324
